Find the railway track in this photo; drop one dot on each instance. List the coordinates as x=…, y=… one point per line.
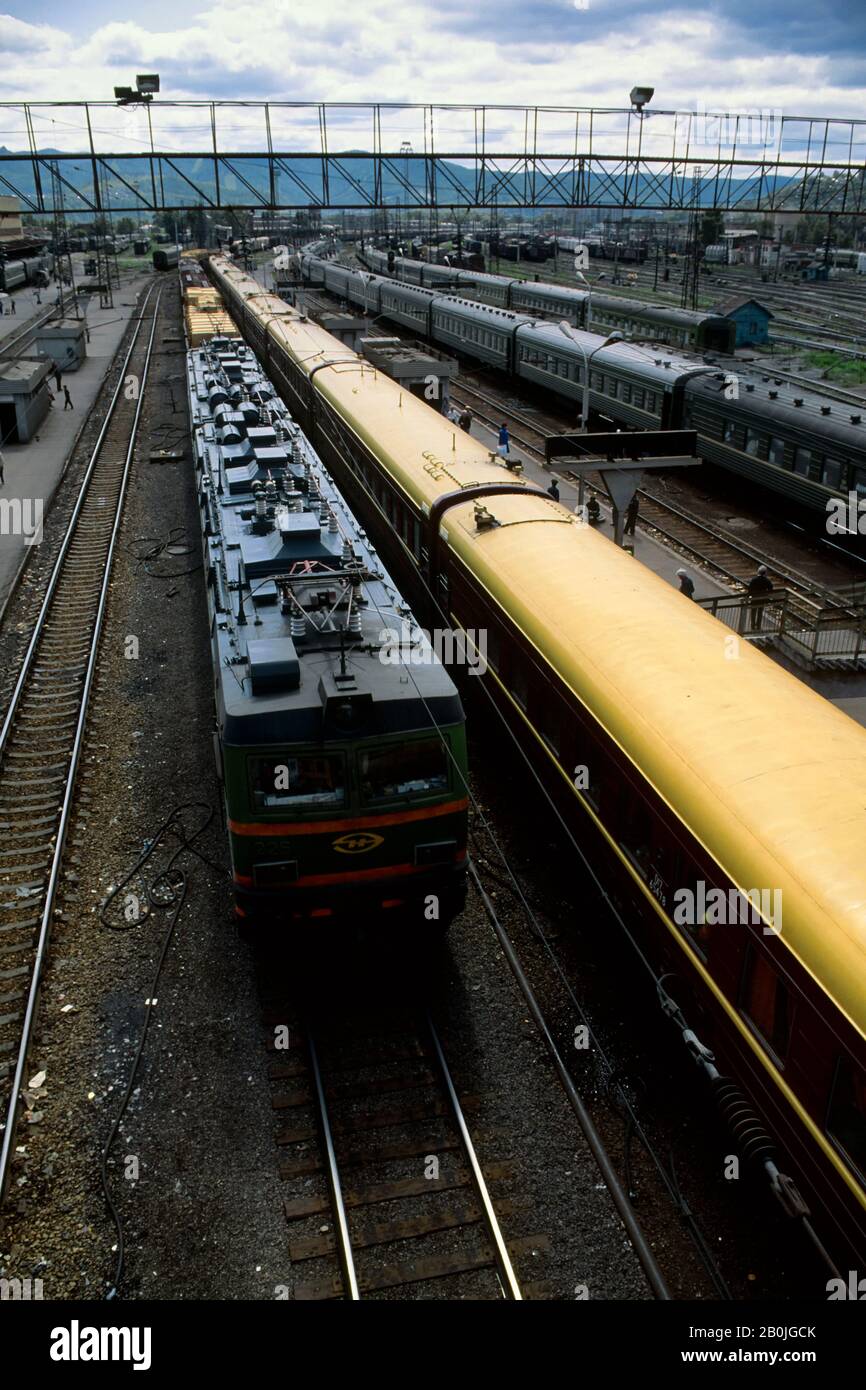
x=43, y=727
x=372, y=1119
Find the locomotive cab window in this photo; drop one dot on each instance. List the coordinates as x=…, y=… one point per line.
x=286, y=781
x=403, y=770
x=846, y=1116
x=765, y=1002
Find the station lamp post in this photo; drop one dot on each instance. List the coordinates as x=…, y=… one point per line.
x=614, y=337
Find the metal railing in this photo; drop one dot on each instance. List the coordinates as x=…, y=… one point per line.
x=105, y=157
x=820, y=638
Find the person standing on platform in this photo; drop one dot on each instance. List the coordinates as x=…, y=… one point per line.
x=631, y=512
x=465, y=420
x=58, y=379
x=504, y=440
x=67, y=399
x=687, y=585
x=13, y=307
x=553, y=490
x=759, y=588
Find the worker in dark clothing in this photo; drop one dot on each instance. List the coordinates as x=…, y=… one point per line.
x=553, y=490
x=687, y=586
x=631, y=516
x=58, y=379
x=67, y=399
x=465, y=420
x=759, y=588
x=504, y=442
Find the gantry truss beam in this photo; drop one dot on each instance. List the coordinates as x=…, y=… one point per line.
x=97, y=157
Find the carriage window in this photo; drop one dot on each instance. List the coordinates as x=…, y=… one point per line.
x=777, y=451
x=612, y=385
x=756, y=444
x=846, y=1117
x=639, y=395
x=765, y=1001
x=626, y=391
x=833, y=472
x=287, y=782
x=519, y=686
x=860, y=481
x=802, y=462
x=728, y=433
x=685, y=901
x=636, y=830
x=549, y=725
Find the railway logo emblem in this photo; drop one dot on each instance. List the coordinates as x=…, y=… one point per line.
x=357, y=842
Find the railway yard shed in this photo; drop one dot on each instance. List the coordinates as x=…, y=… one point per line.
x=752, y=320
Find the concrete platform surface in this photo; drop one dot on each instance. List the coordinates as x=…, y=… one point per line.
x=32, y=471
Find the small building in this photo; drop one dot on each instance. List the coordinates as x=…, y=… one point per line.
x=349, y=328
x=815, y=271
x=751, y=318
x=24, y=398
x=63, y=340
x=10, y=219
x=415, y=366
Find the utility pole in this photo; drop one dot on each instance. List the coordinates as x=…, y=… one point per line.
x=689, y=295
x=61, y=239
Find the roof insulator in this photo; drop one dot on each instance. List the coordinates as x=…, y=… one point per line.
x=773, y=395
x=855, y=419
x=825, y=410
x=798, y=400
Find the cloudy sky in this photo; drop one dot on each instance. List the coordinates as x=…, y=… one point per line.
x=801, y=57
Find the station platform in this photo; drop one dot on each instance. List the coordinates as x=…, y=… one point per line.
x=33, y=471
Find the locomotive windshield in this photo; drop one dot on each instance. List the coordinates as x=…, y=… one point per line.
x=404, y=769
x=285, y=781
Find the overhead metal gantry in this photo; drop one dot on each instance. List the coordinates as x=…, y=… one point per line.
x=98, y=157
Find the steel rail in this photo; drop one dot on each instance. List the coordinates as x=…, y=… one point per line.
x=70, y=530
x=618, y=1193
x=347, y=1258
x=508, y=1279
x=63, y=824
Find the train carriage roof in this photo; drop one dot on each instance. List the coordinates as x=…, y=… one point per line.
x=657, y=365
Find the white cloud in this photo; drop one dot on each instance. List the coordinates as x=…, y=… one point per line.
x=309, y=50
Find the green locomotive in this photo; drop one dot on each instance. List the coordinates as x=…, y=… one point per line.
x=344, y=770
